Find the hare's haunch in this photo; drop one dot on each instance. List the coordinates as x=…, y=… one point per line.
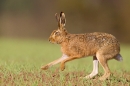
x=101, y=46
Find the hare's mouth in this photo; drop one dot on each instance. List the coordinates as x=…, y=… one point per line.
x=52, y=41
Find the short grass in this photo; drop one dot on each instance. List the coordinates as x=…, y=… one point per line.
x=20, y=62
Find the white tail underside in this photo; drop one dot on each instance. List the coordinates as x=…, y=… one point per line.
x=119, y=57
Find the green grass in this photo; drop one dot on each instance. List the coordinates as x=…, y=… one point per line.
x=20, y=62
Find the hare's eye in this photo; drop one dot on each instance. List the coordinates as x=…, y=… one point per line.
x=56, y=33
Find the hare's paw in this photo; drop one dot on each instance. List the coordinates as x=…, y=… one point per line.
x=88, y=77
x=62, y=67
x=104, y=77
x=45, y=67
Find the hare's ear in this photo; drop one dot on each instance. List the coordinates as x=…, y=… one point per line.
x=57, y=17
x=62, y=19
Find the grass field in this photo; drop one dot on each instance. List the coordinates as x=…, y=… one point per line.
x=20, y=62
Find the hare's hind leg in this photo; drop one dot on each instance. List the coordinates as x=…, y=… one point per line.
x=103, y=61
x=95, y=68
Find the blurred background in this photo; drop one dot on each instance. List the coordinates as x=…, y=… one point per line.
x=25, y=26
x=35, y=18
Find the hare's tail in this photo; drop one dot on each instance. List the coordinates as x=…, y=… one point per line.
x=119, y=57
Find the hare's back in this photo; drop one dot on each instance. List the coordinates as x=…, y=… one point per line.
x=101, y=38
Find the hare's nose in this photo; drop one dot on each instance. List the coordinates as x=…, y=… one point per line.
x=49, y=40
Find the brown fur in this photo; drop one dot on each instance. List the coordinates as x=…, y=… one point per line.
x=101, y=45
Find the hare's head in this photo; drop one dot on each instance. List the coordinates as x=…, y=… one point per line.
x=58, y=36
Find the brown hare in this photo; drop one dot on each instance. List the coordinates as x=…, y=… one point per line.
x=101, y=46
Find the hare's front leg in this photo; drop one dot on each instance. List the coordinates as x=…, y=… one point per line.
x=51, y=64
x=62, y=66
x=54, y=62
x=95, y=68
